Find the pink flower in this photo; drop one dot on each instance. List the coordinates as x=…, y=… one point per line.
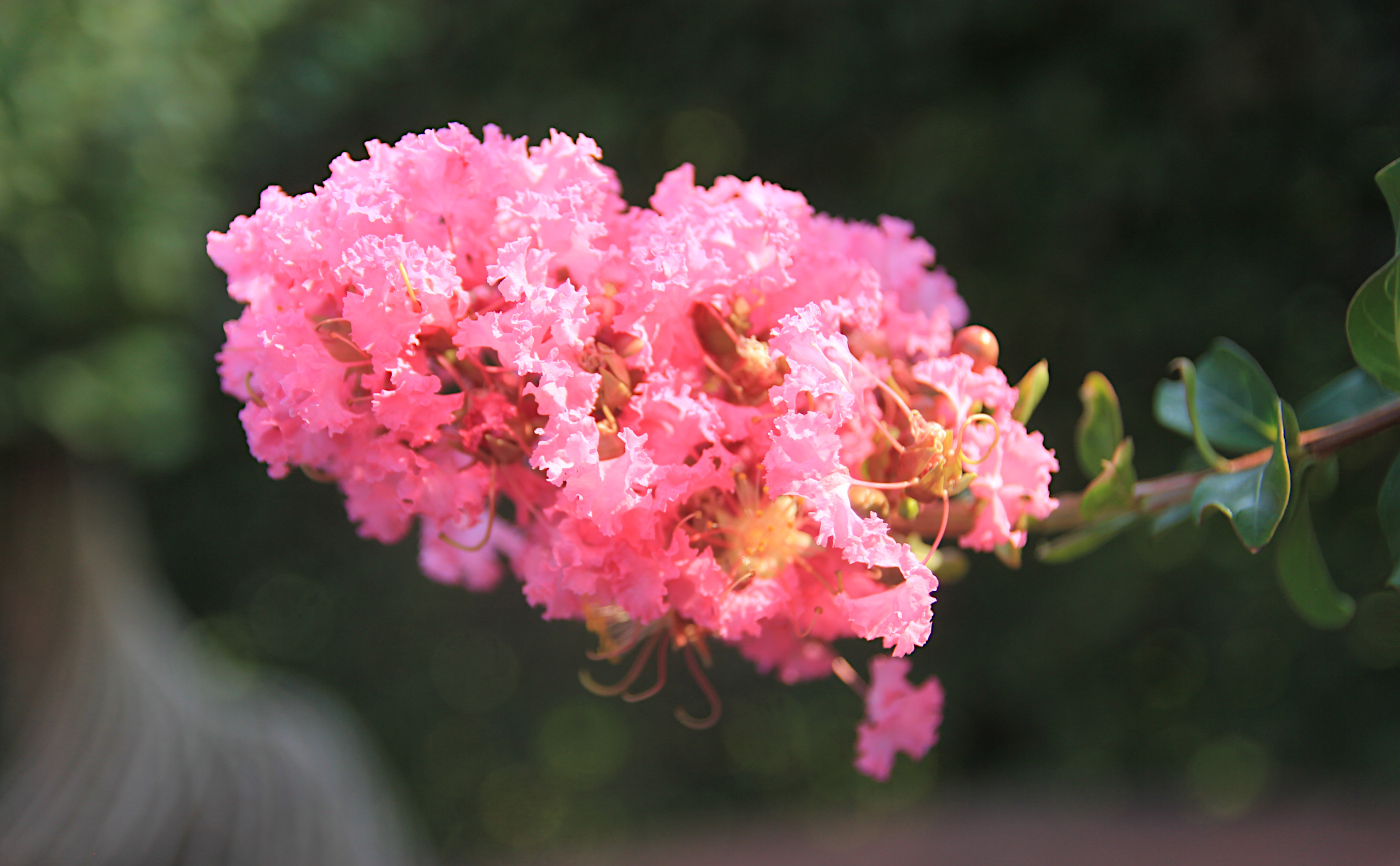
x=682, y=402
x=1012, y=484
x=898, y=717
x=779, y=648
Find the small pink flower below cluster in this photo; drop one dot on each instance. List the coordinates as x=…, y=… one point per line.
x=722, y=417
x=898, y=717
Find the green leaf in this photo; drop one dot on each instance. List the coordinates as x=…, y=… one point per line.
x=1388, y=179
x=1254, y=499
x=1072, y=545
x=1303, y=574
x=1291, y=433
x=1100, y=428
x=1169, y=517
x=1235, y=400
x=1373, y=325
x=1031, y=388
x=1388, y=508
x=1187, y=371
x=1346, y=396
x=1373, y=319
x=1112, y=490
x=1009, y=554
x=1322, y=478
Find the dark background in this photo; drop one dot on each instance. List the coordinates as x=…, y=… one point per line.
x=1111, y=183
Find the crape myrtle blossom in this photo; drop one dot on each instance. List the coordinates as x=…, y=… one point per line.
x=707, y=413
x=899, y=717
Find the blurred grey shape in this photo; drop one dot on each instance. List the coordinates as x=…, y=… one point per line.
x=124, y=741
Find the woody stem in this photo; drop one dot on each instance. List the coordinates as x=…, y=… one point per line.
x=1166, y=490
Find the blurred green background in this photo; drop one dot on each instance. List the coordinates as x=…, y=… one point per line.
x=1112, y=183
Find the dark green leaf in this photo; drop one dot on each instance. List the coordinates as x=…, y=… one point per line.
x=1072, y=545
x=1290, y=429
x=1235, y=400
x=1031, y=388
x=1169, y=517
x=1346, y=396
x=1303, y=574
x=1254, y=499
x=1100, y=428
x=1112, y=490
x=1388, y=179
x=1322, y=478
x=1373, y=319
x=1373, y=323
x=1009, y=554
x=1187, y=370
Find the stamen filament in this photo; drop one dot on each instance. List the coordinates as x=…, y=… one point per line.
x=885, y=485
x=254, y=396
x=847, y=674
x=818, y=575
x=622, y=648
x=490, y=522
x=899, y=401
x=710, y=694
x=719, y=371
x=662, y=650
x=996, y=437
x=803, y=632
x=412, y=295
x=625, y=683
x=942, y=528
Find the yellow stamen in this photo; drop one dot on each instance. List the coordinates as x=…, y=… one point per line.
x=412, y=295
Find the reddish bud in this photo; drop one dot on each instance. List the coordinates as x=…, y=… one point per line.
x=610, y=445
x=979, y=344
x=626, y=344
x=867, y=501
x=604, y=308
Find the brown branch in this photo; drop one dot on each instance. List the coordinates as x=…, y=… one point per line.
x=1334, y=437
x=1166, y=490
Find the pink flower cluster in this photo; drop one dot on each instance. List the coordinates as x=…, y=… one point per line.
x=706, y=413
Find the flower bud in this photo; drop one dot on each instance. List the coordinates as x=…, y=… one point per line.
x=501, y=449
x=755, y=370
x=979, y=344
x=714, y=332
x=867, y=501
x=610, y=445
x=604, y=307
x=626, y=344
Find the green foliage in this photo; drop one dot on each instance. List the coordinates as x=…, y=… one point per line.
x=1235, y=401
x=109, y=115
x=1081, y=542
x=1388, y=179
x=1030, y=389
x=1373, y=319
x=1100, y=427
x=1170, y=517
x=1373, y=325
x=128, y=397
x=1112, y=490
x=1303, y=575
x=1254, y=499
x=1187, y=371
x=1346, y=396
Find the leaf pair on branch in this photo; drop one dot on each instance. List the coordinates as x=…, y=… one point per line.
x=1224, y=402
